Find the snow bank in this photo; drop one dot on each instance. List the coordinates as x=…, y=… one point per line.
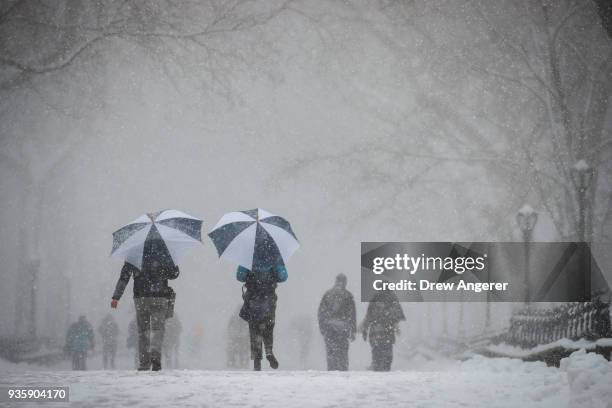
x=538, y=383
x=513, y=351
x=590, y=380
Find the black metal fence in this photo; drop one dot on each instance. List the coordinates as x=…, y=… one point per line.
x=531, y=327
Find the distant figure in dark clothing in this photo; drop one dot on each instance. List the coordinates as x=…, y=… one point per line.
x=172, y=341
x=237, y=351
x=259, y=309
x=79, y=339
x=380, y=325
x=301, y=332
x=132, y=341
x=337, y=323
x=109, y=331
x=152, y=297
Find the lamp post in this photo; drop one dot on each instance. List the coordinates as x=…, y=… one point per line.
x=582, y=175
x=526, y=219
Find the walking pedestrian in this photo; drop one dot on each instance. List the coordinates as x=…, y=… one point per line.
x=337, y=323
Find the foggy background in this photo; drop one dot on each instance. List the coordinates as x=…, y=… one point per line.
x=355, y=120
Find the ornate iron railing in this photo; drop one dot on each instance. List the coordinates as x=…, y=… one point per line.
x=531, y=327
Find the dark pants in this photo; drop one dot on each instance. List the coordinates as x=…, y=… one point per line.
x=337, y=352
x=261, y=332
x=382, y=356
x=78, y=360
x=151, y=321
x=108, y=355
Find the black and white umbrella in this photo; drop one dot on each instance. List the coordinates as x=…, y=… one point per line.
x=167, y=233
x=255, y=239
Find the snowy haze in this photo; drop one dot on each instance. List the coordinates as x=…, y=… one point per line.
x=356, y=121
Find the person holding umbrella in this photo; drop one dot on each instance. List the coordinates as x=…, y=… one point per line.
x=150, y=246
x=259, y=309
x=260, y=242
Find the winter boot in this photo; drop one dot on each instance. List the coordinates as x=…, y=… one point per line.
x=145, y=362
x=155, y=360
x=272, y=360
x=257, y=364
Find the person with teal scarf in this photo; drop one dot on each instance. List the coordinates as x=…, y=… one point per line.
x=259, y=309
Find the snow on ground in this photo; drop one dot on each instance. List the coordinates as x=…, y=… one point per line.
x=590, y=380
x=478, y=382
x=514, y=351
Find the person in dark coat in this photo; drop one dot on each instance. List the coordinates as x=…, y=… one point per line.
x=337, y=323
x=259, y=309
x=380, y=326
x=109, y=332
x=79, y=339
x=152, y=297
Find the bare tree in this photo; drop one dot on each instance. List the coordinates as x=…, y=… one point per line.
x=561, y=56
x=53, y=50
x=519, y=90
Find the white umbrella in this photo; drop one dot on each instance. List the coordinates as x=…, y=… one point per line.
x=170, y=232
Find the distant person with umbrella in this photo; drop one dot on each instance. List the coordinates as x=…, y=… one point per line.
x=109, y=332
x=337, y=323
x=260, y=242
x=150, y=246
x=380, y=326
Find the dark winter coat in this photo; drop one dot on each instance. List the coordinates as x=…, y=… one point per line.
x=384, y=313
x=151, y=281
x=80, y=337
x=337, y=313
x=259, y=293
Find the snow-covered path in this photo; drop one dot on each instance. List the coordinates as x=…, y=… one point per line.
x=475, y=383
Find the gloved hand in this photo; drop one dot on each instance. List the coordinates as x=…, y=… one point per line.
x=114, y=303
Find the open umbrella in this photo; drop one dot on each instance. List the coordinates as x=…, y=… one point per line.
x=166, y=234
x=255, y=239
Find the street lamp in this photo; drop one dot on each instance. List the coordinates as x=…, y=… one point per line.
x=526, y=219
x=582, y=175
